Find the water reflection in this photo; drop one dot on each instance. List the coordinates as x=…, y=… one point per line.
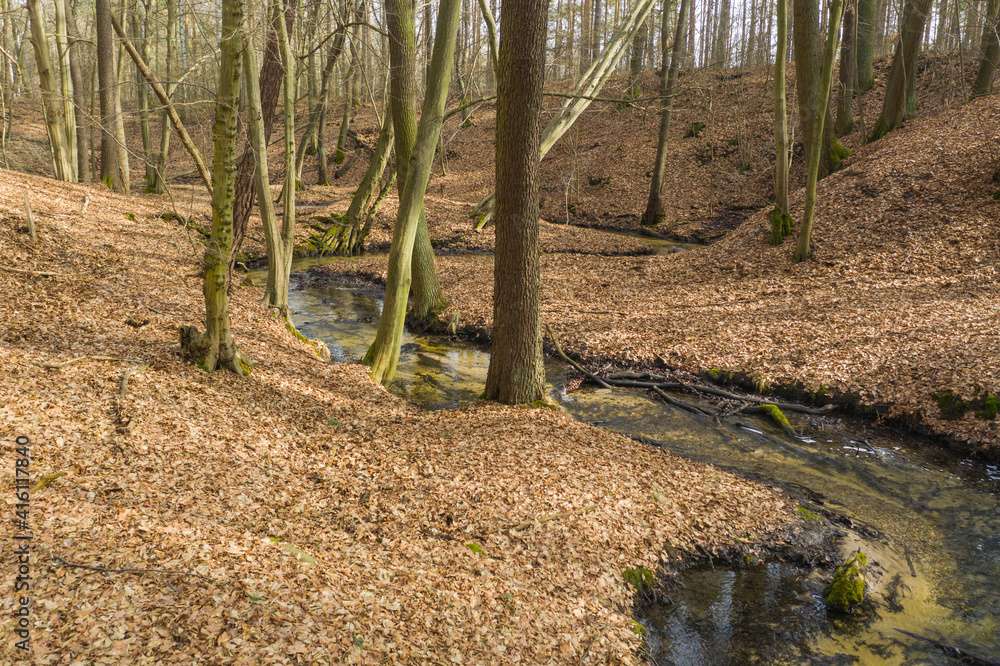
x=940, y=516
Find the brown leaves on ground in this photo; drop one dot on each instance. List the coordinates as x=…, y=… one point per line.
x=901, y=301
x=302, y=514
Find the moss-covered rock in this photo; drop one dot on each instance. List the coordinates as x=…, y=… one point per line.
x=847, y=589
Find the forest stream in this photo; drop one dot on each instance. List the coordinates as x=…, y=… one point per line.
x=927, y=518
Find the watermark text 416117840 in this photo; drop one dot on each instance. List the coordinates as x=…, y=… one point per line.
x=22, y=544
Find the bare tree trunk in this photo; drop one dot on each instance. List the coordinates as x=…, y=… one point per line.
x=804, y=249
x=215, y=349
x=113, y=172
x=54, y=121
x=383, y=355
x=990, y=51
x=904, y=68
x=517, y=373
x=654, y=213
x=781, y=221
x=66, y=87
x=271, y=74
x=867, y=12
x=79, y=103
x=808, y=58
x=848, y=71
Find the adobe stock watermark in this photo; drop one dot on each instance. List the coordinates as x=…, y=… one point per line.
x=22, y=544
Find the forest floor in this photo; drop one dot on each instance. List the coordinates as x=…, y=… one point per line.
x=303, y=512
x=900, y=304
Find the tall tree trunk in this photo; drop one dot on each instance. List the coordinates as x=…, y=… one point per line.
x=54, y=121
x=383, y=355
x=79, y=101
x=654, y=213
x=808, y=58
x=866, y=30
x=271, y=74
x=112, y=171
x=804, y=249
x=990, y=51
x=140, y=32
x=162, y=155
x=848, y=71
x=279, y=298
x=215, y=349
x=720, y=54
x=517, y=373
x=66, y=87
x=636, y=60
x=586, y=16
x=781, y=221
x=898, y=90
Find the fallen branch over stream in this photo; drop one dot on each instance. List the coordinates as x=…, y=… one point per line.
x=661, y=384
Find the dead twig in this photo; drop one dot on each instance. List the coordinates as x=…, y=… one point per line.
x=97, y=568
x=80, y=359
x=579, y=368
x=21, y=271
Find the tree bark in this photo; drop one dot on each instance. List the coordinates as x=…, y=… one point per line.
x=383, y=355
x=162, y=155
x=215, y=349
x=113, y=172
x=781, y=222
x=79, y=104
x=517, y=373
x=66, y=87
x=804, y=249
x=54, y=121
x=990, y=52
x=271, y=74
x=654, y=213
x=808, y=58
x=848, y=72
x=897, y=103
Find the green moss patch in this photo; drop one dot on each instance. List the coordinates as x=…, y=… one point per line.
x=847, y=589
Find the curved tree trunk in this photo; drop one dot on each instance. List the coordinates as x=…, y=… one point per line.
x=383, y=355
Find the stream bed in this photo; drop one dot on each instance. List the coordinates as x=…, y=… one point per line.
x=929, y=518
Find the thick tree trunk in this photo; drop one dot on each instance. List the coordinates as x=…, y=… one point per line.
x=215, y=349
x=113, y=172
x=636, y=60
x=808, y=58
x=79, y=101
x=848, y=72
x=902, y=76
x=54, y=121
x=383, y=355
x=66, y=87
x=804, y=249
x=517, y=373
x=654, y=213
x=990, y=51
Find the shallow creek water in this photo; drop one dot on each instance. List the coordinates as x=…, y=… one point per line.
x=935, y=516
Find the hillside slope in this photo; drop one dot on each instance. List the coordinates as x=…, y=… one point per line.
x=302, y=513
x=901, y=302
